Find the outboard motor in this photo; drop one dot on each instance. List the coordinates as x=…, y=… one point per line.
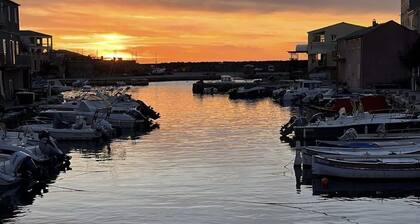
x=289, y=127
x=147, y=110
x=277, y=94
x=105, y=127
x=48, y=147
x=136, y=114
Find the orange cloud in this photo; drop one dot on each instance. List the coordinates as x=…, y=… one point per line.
x=181, y=34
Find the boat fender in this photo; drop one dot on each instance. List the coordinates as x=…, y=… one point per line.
x=325, y=183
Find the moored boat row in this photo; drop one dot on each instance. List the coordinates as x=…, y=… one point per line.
x=358, y=144
x=32, y=150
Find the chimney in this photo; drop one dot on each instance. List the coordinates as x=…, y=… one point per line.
x=374, y=23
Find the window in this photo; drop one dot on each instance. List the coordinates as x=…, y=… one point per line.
x=45, y=42
x=333, y=37
x=9, y=16
x=17, y=48
x=16, y=15
x=4, y=51
x=13, y=52
x=322, y=38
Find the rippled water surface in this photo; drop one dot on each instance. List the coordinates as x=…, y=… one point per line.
x=213, y=160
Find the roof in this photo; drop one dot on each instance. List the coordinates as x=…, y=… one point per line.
x=12, y=2
x=335, y=25
x=33, y=33
x=363, y=32
x=300, y=48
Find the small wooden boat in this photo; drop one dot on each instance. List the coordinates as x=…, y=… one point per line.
x=309, y=152
x=368, y=167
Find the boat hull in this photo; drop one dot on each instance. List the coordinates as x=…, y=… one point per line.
x=334, y=168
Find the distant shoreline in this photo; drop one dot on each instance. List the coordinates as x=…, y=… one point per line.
x=145, y=80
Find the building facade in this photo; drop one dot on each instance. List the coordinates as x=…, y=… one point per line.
x=37, y=47
x=322, y=45
x=372, y=57
x=410, y=14
x=13, y=74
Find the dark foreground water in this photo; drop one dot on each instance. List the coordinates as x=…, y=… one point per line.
x=212, y=161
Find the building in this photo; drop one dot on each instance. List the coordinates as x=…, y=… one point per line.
x=410, y=14
x=13, y=74
x=300, y=49
x=322, y=45
x=371, y=57
x=37, y=46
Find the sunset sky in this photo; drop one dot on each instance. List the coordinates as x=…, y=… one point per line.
x=193, y=30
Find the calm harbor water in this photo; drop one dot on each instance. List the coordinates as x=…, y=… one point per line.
x=213, y=160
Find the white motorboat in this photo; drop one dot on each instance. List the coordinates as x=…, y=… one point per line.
x=79, y=131
x=305, y=90
x=118, y=119
x=16, y=167
x=42, y=148
x=370, y=167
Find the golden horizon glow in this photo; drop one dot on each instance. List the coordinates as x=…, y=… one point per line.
x=167, y=35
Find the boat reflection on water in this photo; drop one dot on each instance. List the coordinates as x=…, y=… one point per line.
x=13, y=199
x=365, y=188
x=353, y=188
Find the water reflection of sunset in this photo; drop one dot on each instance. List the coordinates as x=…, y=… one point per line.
x=180, y=32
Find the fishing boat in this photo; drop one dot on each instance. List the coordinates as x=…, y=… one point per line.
x=403, y=149
x=368, y=167
x=250, y=93
x=16, y=167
